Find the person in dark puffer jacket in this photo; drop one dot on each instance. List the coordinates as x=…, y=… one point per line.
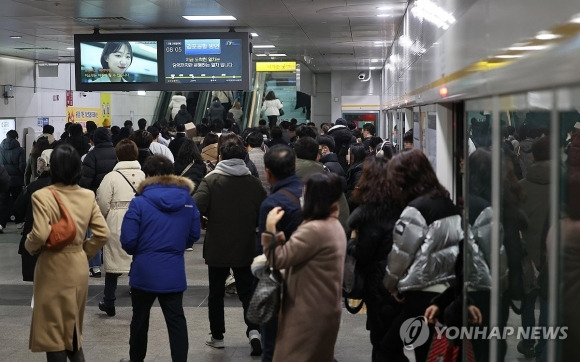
x=99, y=161
x=13, y=158
x=342, y=139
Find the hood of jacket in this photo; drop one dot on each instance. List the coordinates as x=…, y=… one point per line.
x=10, y=143
x=329, y=157
x=232, y=167
x=101, y=135
x=166, y=192
x=216, y=105
x=210, y=152
x=178, y=99
x=182, y=112
x=539, y=173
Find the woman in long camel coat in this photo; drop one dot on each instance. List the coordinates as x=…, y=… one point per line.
x=314, y=261
x=61, y=277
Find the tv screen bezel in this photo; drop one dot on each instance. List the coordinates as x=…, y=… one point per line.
x=160, y=85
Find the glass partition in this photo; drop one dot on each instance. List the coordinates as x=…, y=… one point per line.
x=522, y=209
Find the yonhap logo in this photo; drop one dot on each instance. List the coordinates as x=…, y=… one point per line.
x=414, y=332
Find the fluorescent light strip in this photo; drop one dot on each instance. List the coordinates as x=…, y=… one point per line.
x=70, y=48
x=208, y=17
x=277, y=55
x=263, y=46
x=544, y=35
x=529, y=47
x=255, y=35
x=261, y=55
x=506, y=56
x=383, y=15
x=15, y=37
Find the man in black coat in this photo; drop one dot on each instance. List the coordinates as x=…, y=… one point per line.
x=329, y=159
x=13, y=158
x=176, y=143
x=343, y=138
x=99, y=161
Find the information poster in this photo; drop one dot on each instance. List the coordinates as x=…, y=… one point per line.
x=83, y=114
x=6, y=124
x=42, y=121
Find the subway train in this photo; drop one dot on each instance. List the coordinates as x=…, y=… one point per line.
x=455, y=76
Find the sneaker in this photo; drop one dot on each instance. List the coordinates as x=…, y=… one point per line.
x=255, y=343
x=527, y=349
x=215, y=343
x=109, y=310
x=189, y=249
x=95, y=272
x=20, y=225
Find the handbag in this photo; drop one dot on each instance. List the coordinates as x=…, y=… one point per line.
x=64, y=231
x=265, y=301
x=281, y=110
x=445, y=350
x=352, y=284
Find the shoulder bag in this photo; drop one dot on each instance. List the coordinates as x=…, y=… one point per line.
x=265, y=301
x=64, y=231
x=352, y=284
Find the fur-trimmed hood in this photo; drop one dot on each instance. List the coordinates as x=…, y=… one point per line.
x=168, y=193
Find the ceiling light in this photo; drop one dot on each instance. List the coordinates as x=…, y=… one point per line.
x=70, y=48
x=15, y=37
x=255, y=35
x=375, y=60
x=546, y=35
x=383, y=15
x=384, y=8
x=372, y=68
x=263, y=46
x=405, y=41
x=261, y=55
x=528, y=47
x=141, y=93
x=427, y=10
x=575, y=19
x=208, y=17
x=508, y=56
x=277, y=55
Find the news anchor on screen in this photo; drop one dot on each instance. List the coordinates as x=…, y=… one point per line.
x=115, y=59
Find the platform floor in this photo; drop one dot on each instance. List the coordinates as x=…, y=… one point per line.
x=107, y=338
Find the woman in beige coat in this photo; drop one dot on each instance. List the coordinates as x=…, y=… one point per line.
x=61, y=277
x=314, y=261
x=114, y=194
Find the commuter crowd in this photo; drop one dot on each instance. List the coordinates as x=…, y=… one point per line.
x=297, y=197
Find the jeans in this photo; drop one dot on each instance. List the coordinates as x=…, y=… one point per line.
x=217, y=290
x=96, y=260
x=268, y=335
x=172, y=307
x=110, y=288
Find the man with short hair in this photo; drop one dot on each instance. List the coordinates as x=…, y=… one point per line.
x=307, y=158
x=157, y=148
x=230, y=197
x=408, y=140
x=328, y=158
x=47, y=131
x=142, y=124
x=253, y=139
x=280, y=164
x=13, y=158
x=368, y=131
x=176, y=143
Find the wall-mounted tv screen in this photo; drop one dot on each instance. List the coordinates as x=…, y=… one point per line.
x=203, y=61
x=157, y=61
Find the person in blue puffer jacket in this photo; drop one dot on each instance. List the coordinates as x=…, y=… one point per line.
x=161, y=222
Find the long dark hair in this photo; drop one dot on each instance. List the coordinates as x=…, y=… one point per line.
x=410, y=175
x=65, y=165
x=322, y=190
x=270, y=96
x=480, y=173
x=188, y=153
